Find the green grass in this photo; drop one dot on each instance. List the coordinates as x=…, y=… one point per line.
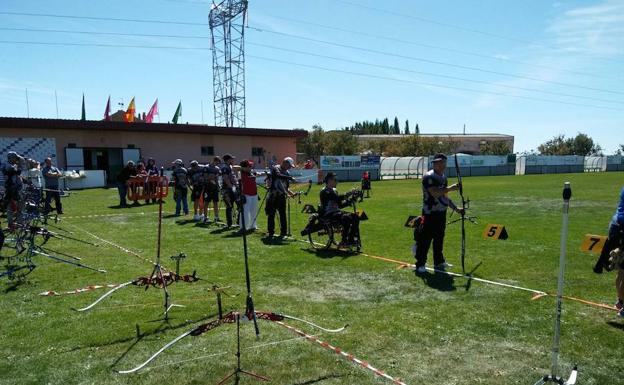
x=422, y=331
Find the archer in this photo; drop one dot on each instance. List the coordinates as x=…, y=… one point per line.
x=435, y=204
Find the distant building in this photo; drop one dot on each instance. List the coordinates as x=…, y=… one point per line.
x=108, y=145
x=466, y=143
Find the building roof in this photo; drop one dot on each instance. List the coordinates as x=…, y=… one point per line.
x=101, y=125
x=459, y=135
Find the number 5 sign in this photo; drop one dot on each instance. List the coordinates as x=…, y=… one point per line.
x=593, y=243
x=493, y=231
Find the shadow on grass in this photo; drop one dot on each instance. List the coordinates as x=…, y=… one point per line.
x=276, y=241
x=165, y=326
x=330, y=253
x=183, y=222
x=617, y=325
x=438, y=281
x=319, y=379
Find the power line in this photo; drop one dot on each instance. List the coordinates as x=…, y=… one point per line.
x=324, y=42
x=441, y=48
x=102, y=18
x=454, y=26
x=315, y=55
x=370, y=50
x=433, y=74
x=360, y=74
x=102, y=33
x=101, y=45
x=430, y=84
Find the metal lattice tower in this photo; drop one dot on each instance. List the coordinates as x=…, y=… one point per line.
x=227, y=29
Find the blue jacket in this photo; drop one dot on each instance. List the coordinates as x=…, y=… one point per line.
x=618, y=218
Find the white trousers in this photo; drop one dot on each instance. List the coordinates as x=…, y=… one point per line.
x=250, y=210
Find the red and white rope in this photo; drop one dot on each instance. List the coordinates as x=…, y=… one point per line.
x=340, y=352
x=78, y=291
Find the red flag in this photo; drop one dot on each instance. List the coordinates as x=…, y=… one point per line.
x=153, y=111
x=107, y=110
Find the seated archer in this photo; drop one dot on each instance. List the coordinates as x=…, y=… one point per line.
x=331, y=203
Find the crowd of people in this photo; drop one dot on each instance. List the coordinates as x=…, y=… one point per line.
x=39, y=179
x=223, y=179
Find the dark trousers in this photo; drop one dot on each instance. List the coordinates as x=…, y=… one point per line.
x=276, y=203
x=614, y=240
x=57, y=201
x=229, y=198
x=122, y=189
x=350, y=224
x=433, y=230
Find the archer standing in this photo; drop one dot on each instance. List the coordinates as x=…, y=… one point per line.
x=279, y=190
x=230, y=184
x=180, y=183
x=211, y=187
x=249, y=189
x=51, y=177
x=615, y=240
x=435, y=204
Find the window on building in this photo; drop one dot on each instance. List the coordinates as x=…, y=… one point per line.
x=207, y=150
x=131, y=146
x=257, y=151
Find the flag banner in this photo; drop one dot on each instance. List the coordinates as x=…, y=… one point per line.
x=153, y=111
x=84, y=112
x=129, y=115
x=107, y=111
x=178, y=113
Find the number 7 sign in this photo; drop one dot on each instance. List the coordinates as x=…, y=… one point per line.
x=593, y=243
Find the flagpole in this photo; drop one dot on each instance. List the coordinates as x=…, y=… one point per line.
x=27, y=105
x=56, y=102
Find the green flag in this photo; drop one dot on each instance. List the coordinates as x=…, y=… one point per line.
x=84, y=112
x=178, y=113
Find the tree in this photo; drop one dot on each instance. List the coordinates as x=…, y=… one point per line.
x=340, y=143
x=407, y=130
x=555, y=146
x=313, y=145
x=620, y=150
x=498, y=147
x=385, y=127
x=395, y=127
x=581, y=144
x=417, y=130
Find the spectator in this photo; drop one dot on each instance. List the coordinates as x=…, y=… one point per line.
x=195, y=176
x=152, y=171
x=122, y=179
x=51, y=177
x=211, y=174
x=13, y=185
x=35, y=179
x=308, y=164
x=230, y=184
x=180, y=184
x=249, y=189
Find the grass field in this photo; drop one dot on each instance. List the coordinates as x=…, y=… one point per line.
x=423, y=330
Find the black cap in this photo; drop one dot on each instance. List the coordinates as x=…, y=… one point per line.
x=328, y=176
x=439, y=157
x=227, y=157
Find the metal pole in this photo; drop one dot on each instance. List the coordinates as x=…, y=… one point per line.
x=567, y=194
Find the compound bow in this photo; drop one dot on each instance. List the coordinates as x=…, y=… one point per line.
x=465, y=205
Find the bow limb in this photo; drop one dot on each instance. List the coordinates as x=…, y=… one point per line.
x=199, y=330
x=268, y=316
x=167, y=346
x=463, y=215
x=105, y=295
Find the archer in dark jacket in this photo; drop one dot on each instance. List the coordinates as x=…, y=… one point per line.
x=122, y=179
x=331, y=203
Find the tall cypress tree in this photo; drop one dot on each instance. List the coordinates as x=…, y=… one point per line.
x=407, y=130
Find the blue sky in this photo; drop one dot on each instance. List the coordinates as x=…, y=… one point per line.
x=569, y=52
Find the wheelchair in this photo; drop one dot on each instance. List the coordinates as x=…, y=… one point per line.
x=321, y=231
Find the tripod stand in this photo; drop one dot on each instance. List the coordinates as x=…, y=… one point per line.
x=250, y=312
x=158, y=270
x=553, y=376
